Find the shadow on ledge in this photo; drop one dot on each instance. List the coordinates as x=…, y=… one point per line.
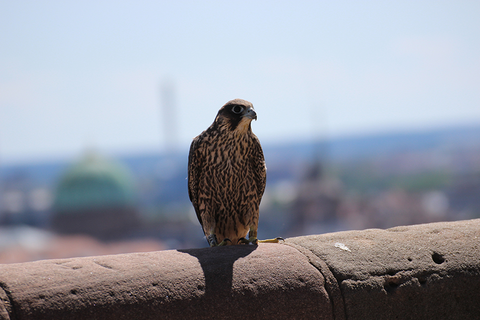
x=217, y=265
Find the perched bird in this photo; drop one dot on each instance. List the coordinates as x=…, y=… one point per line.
x=227, y=176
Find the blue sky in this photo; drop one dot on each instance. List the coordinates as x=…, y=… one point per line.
x=82, y=74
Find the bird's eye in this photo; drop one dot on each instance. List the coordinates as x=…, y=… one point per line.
x=237, y=109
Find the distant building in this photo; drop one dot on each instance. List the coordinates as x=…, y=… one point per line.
x=96, y=197
x=316, y=205
x=24, y=202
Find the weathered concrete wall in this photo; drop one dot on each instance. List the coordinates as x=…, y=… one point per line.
x=427, y=271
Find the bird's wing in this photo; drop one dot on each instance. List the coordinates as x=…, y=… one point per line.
x=259, y=168
x=195, y=167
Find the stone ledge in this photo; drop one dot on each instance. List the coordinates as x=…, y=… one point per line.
x=429, y=271
x=415, y=272
x=245, y=281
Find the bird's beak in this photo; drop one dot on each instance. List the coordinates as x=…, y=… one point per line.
x=251, y=114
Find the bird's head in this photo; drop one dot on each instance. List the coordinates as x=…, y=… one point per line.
x=236, y=116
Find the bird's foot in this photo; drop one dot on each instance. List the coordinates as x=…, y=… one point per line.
x=224, y=242
x=245, y=241
x=255, y=241
x=213, y=242
x=276, y=240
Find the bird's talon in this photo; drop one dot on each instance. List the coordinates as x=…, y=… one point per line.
x=242, y=241
x=212, y=240
x=224, y=242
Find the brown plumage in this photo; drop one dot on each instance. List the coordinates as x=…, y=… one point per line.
x=227, y=176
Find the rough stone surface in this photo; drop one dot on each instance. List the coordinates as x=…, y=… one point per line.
x=427, y=271
x=249, y=282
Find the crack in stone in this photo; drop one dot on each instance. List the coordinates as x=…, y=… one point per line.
x=6, y=298
x=102, y=264
x=331, y=283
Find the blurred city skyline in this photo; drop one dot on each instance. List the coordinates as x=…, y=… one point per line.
x=102, y=205
x=89, y=74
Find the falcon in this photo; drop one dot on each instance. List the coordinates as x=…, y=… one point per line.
x=227, y=176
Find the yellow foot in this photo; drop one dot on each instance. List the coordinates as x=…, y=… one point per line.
x=276, y=240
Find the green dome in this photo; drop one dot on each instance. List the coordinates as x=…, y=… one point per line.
x=92, y=183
